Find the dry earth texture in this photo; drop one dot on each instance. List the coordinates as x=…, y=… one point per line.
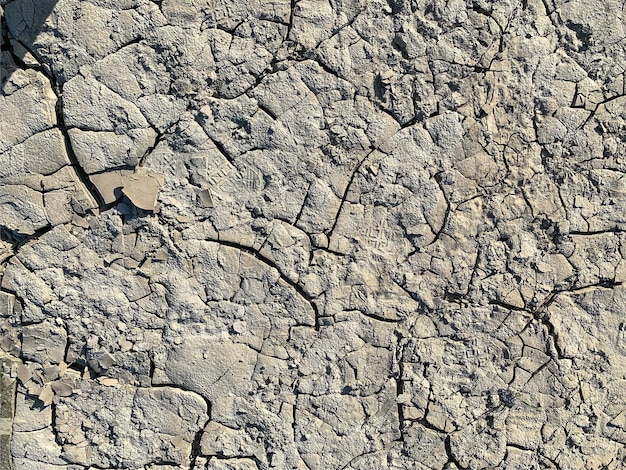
x=317, y=234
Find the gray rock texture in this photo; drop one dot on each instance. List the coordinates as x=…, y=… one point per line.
x=313, y=234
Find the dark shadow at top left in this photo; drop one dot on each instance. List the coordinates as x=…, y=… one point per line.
x=22, y=22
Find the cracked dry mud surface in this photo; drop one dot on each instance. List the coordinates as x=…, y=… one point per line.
x=313, y=234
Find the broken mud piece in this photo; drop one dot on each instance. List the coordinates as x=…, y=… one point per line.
x=108, y=382
x=109, y=184
x=107, y=361
x=205, y=198
x=142, y=189
x=51, y=372
x=61, y=388
x=46, y=395
x=7, y=301
x=23, y=373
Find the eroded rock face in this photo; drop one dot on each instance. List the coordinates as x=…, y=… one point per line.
x=313, y=234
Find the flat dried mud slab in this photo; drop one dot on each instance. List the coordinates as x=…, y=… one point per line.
x=335, y=234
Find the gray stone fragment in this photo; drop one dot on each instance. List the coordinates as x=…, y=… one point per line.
x=142, y=189
x=44, y=342
x=7, y=302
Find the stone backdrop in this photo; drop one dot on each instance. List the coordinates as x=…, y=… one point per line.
x=313, y=234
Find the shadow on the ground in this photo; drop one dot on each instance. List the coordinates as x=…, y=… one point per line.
x=22, y=21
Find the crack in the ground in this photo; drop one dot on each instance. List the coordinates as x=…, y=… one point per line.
x=82, y=176
x=297, y=287
x=535, y=310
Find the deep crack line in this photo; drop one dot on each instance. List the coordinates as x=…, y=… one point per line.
x=81, y=174
x=297, y=287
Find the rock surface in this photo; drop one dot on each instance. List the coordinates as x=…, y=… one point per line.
x=335, y=234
